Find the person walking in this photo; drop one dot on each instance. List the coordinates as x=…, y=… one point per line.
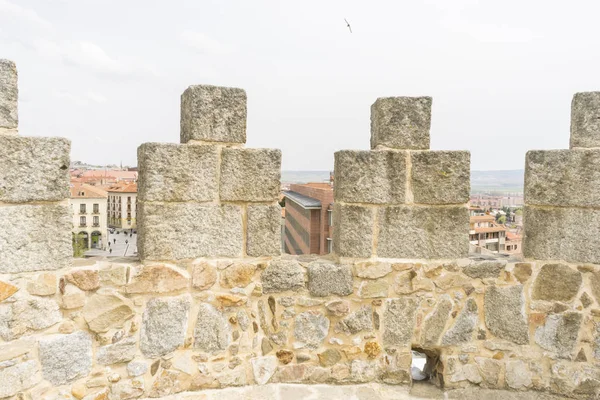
x=115, y=241
x=110, y=251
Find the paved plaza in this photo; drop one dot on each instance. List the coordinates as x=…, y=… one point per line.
x=122, y=243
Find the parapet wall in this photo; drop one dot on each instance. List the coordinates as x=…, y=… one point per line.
x=212, y=303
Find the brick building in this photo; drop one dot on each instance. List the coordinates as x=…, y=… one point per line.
x=308, y=222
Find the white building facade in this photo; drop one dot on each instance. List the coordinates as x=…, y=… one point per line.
x=122, y=206
x=88, y=205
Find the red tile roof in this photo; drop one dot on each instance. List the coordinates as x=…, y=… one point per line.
x=81, y=190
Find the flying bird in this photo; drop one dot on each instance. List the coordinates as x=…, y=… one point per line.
x=348, y=25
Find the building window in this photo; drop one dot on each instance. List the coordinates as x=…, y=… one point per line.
x=82, y=221
x=330, y=218
x=82, y=209
x=96, y=221
x=96, y=208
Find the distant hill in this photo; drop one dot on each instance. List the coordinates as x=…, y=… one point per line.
x=508, y=181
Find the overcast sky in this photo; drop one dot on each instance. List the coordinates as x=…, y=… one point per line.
x=108, y=74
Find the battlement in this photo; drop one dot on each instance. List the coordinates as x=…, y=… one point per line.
x=212, y=302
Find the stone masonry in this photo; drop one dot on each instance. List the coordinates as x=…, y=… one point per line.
x=209, y=196
x=562, y=191
x=34, y=191
x=401, y=200
x=213, y=306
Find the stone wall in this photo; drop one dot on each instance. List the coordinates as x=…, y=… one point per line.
x=212, y=303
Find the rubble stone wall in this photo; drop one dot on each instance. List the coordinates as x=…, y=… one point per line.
x=212, y=302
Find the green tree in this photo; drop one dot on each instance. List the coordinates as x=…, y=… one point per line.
x=78, y=245
x=501, y=219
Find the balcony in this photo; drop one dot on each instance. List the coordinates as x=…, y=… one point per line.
x=82, y=212
x=82, y=225
x=95, y=225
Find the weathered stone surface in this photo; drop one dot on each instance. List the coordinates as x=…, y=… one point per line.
x=358, y=321
x=329, y=357
x=559, y=333
x=122, y=351
x=106, y=310
x=555, y=233
x=84, y=279
x=7, y=290
x=518, y=375
x=372, y=270
x=434, y=324
x=250, y=174
x=464, y=325
x=115, y=275
x=283, y=275
x=353, y=233
x=522, y=271
x=451, y=279
x=43, y=285
x=398, y=321
x=373, y=289
x=65, y=358
x=263, y=368
x=127, y=389
x=423, y=232
x=408, y=282
x=210, y=231
x=9, y=95
x=204, y=275
x=401, y=122
x=212, y=332
x=490, y=370
x=441, y=177
x=263, y=230
x=326, y=279
x=311, y=328
x=376, y=177
x=214, y=114
x=237, y=275
x=35, y=237
x=21, y=376
x=585, y=120
x=586, y=300
x=164, y=324
x=137, y=368
x=174, y=172
x=505, y=313
x=34, y=169
x=284, y=356
x=27, y=313
x=158, y=279
x=72, y=298
x=569, y=178
x=556, y=282
x=338, y=308
x=484, y=269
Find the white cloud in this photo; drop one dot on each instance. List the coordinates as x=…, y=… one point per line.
x=12, y=10
x=203, y=43
x=81, y=99
x=88, y=55
x=96, y=97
